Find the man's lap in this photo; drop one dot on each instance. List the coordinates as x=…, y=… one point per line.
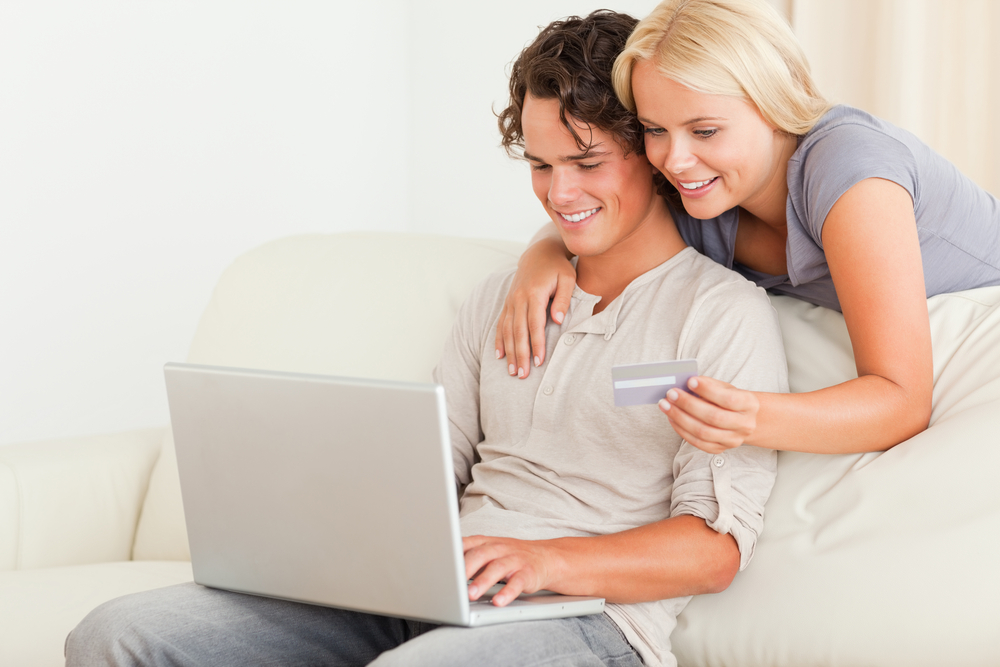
x=191, y=624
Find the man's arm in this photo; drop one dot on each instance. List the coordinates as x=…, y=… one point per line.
x=674, y=557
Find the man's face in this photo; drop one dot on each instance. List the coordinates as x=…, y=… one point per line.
x=596, y=197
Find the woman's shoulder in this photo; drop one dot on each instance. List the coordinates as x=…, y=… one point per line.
x=845, y=147
x=847, y=134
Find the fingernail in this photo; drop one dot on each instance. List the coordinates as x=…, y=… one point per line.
x=473, y=592
x=672, y=394
x=510, y=368
x=498, y=354
x=664, y=404
x=520, y=372
x=538, y=362
x=693, y=383
x=558, y=317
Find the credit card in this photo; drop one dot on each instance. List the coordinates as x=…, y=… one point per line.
x=639, y=384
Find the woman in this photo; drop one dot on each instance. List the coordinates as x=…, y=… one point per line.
x=824, y=203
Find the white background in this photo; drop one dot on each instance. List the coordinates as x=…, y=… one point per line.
x=144, y=144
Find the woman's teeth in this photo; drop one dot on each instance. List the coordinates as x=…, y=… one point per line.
x=696, y=184
x=577, y=217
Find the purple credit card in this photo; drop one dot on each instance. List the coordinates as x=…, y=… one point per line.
x=640, y=384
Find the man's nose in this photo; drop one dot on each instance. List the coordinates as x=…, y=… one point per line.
x=564, y=188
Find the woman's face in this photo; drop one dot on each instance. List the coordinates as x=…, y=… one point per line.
x=717, y=150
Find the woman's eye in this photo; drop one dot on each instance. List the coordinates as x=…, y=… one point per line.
x=653, y=131
x=705, y=134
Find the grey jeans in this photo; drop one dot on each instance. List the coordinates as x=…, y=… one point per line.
x=192, y=625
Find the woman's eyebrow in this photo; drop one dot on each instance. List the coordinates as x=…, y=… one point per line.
x=699, y=119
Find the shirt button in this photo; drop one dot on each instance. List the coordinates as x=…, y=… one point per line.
x=718, y=461
x=547, y=390
x=570, y=339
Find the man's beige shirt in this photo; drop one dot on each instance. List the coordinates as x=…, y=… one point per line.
x=551, y=456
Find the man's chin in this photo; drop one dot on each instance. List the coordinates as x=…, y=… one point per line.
x=581, y=247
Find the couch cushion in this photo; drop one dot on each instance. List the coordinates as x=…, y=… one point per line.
x=51, y=601
x=358, y=304
x=884, y=558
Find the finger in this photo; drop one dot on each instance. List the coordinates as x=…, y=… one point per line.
x=477, y=557
x=561, y=299
x=515, y=586
x=473, y=541
x=522, y=345
x=707, y=412
x=508, y=340
x=697, y=433
x=705, y=446
x=722, y=394
x=536, y=330
x=494, y=572
x=498, y=341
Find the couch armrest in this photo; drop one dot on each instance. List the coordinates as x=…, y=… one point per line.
x=73, y=501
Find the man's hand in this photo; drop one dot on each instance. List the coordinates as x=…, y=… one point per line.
x=717, y=418
x=527, y=566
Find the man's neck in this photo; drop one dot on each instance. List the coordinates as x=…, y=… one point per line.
x=607, y=275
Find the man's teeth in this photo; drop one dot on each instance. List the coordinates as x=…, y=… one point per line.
x=696, y=184
x=577, y=217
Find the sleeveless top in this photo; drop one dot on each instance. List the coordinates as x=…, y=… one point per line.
x=958, y=222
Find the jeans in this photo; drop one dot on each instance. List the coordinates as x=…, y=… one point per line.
x=189, y=624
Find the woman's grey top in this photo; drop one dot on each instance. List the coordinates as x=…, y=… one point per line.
x=957, y=221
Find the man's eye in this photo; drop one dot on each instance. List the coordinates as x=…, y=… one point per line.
x=539, y=167
x=589, y=167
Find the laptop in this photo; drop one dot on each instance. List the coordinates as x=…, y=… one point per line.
x=330, y=491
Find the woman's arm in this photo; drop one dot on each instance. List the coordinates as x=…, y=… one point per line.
x=872, y=248
x=543, y=272
x=670, y=558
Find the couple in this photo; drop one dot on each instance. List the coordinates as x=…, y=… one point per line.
x=563, y=491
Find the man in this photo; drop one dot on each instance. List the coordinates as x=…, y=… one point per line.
x=562, y=490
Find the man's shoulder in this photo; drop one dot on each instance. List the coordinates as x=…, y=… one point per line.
x=484, y=302
x=492, y=288
x=708, y=281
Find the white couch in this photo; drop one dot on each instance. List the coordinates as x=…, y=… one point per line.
x=876, y=559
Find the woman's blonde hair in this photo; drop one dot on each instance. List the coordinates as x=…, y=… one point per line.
x=741, y=48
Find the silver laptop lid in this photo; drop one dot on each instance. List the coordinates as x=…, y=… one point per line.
x=335, y=491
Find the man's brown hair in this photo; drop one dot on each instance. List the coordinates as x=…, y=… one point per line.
x=571, y=61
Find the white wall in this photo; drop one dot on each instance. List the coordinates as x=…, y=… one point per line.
x=144, y=145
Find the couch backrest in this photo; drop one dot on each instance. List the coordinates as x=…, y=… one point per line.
x=359, y=304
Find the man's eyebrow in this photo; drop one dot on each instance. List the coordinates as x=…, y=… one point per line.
x=586, y=155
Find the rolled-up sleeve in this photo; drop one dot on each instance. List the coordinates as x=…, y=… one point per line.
x=727, y=490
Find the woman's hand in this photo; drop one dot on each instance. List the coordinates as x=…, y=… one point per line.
x=526, y=566
x=717, y=418
x=543, y=272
